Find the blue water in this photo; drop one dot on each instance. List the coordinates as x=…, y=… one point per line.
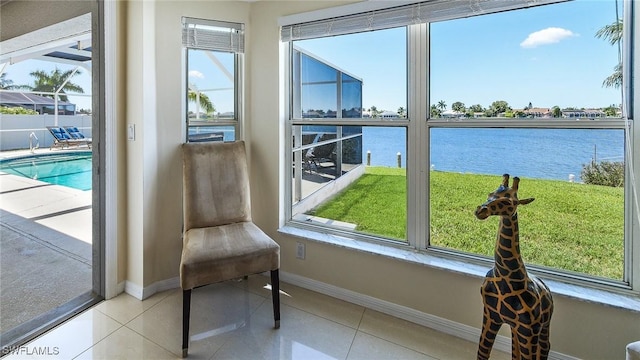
x=66, y=169
x=535, y=153
x=228, y=132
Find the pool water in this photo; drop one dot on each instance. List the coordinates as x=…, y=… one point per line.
x=66, y=169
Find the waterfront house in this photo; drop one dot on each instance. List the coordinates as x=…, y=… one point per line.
x=583, y=113
x=538, y=112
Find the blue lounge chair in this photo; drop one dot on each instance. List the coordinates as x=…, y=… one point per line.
x=62, y=139
x=75, y=133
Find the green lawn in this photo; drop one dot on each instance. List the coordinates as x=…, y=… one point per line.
x=570, y=226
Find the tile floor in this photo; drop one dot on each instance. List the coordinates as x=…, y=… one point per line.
x=234, y=320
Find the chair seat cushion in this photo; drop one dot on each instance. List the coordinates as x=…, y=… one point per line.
x=219, y=253
x=633, y=351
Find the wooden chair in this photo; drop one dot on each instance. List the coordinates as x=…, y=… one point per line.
x=220, y=241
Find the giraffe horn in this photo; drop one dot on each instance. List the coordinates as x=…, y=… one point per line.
x=505, y=180
x=516, y=181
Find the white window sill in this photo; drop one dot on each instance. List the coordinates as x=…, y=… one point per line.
x=602, y=297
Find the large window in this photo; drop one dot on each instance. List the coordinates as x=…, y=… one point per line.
x=451, y=104
x=213, y=51
x=550, y=119
x=334, y=150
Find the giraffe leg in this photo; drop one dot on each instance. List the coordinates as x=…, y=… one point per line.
x=526, y=347
x=525, y=351
x=544, y=344
x=515, y=345
x=535, y=347
x=488, y=336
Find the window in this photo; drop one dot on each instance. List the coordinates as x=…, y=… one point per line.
x=536, y=115
x=214, y=59
x=333, y=142
x=452, y=101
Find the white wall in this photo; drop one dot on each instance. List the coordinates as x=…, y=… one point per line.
x=154, y=96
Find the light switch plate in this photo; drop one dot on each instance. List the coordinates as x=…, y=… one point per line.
x=131, y=132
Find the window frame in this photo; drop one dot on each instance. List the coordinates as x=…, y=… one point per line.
x=419, y=123
x=238, y=78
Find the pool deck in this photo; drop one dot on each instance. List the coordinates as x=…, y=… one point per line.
x=45, y=245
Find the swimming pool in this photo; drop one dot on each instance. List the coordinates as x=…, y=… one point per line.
x=72, y=169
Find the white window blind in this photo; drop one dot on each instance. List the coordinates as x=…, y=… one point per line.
x=415, y=13
x=212, y=35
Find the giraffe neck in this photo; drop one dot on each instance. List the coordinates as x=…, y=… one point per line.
x=508, y=261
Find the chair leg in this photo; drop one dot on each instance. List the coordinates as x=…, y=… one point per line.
x=186, y=312
x=275, y=296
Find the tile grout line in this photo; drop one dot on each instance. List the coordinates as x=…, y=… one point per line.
x=142, y=335
x=101, y=340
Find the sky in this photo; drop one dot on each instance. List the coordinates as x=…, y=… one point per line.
x=19, y=74
x=546, y=56
x=212, y=77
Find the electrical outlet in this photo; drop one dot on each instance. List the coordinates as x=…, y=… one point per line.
x=300, y=251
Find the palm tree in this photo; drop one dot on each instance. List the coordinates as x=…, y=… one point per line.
x=435, y=112
x=615, y=79
x=442, y=105
x=374, y=111
x=612, y=33
x=56, y=81
x=6, y=84
x=202, y=100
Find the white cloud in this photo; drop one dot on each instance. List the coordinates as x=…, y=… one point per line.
x=196, y=73
x=546, y=36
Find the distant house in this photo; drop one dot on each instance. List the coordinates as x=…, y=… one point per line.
x=583, y=113
x=452, y=114
x=41, y=104
x=538, y=112
x=388, y=115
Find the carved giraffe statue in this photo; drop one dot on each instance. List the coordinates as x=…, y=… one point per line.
x=510, y=295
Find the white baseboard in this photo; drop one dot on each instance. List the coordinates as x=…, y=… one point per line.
x=133, y=289
x=141, y=293
x=446, y=326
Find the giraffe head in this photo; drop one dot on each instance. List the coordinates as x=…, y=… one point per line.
x=504, y=201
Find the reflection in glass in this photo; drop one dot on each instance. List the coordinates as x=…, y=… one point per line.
x=337, y=183
x=351, y=97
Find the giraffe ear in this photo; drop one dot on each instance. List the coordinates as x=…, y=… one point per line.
x=525, y=201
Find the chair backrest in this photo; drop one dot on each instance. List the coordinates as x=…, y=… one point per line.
x=58, y=133
x=215, y=184
x=74, y=132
